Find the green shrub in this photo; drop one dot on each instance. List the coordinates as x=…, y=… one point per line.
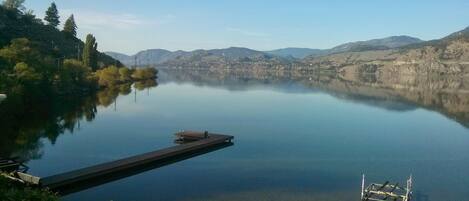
x=108, y=76
x=144, y=74
x=14, y=191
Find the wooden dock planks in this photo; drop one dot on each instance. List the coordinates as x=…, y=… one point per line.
x=88, y=173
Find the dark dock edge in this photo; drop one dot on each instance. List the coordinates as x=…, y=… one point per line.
x=97, y=181
x=151, y=159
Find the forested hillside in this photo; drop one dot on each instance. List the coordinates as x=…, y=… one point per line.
x=38, y=59
x=48, y=40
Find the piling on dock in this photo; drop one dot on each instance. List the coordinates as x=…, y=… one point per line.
x=2, y=97
x=190, y=136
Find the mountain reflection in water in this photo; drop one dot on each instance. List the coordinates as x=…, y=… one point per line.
x=445, y=94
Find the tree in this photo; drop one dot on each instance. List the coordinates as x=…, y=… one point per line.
x=144, y=74
x=76, y=70
x=125, y=74
x=70, y=27
x=30, y=17
x=109, y=76
x=90, y=52
x=14, y=4
x=52, y=15
x=20, y=50
x=25, y=74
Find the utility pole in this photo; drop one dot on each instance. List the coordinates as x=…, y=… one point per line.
x=135, y=62
x=58, y=62
x=135, y=94
x=78, y=52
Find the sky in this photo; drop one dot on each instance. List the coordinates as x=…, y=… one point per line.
x=129, y=26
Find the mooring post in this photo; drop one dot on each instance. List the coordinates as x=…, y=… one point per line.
x=408, y=188
x=363, y=186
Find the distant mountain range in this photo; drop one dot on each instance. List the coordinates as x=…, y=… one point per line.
x=375, y=44
x=295, y=52
x=152, y=56
x=161, y=56
x=395, y=54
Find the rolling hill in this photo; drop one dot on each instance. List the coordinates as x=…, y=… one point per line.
x=358, y=46
x=165, y=57
x=161, y=56
x=293, y=52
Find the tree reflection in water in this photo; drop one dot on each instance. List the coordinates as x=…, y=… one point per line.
x=24, y=122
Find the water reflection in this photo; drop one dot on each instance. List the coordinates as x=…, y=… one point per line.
x=300, y=144
x=444, y=94
x=23, y=127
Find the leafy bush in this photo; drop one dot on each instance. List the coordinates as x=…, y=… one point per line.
x=144, y=74
x=125, y=74
x=108, y=76
x=112, y=75
x=12, y=191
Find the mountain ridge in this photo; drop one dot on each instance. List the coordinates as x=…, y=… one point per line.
x=448, y=55
x=390, y=42
x=160, y=56
x=395, y=54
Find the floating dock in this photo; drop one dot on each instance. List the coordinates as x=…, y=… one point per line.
x=162, y=156
x=12, y=164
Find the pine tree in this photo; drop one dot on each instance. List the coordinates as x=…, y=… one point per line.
x=90, y=52
x=52, y=15
x=14, y=4
x=70, y=27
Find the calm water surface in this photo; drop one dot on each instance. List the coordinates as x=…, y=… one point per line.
x=293, y=141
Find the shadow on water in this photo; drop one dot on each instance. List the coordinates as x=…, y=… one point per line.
x=66, y=190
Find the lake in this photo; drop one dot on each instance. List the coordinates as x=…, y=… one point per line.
x=297, y=136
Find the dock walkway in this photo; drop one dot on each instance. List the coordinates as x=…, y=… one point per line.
x=89, y=173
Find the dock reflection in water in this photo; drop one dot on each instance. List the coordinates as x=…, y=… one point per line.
x=77, y=187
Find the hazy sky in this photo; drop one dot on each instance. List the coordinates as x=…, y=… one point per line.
x=131, y=25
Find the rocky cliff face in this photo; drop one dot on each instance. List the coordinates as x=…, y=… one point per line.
x=449, y=56
x=452, y=60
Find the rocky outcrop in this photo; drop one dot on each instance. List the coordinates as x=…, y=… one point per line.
x=448, y=56
x=451, y=59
